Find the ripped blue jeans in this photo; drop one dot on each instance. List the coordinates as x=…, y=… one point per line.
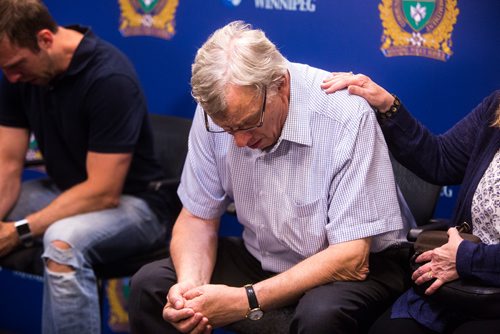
x=70, y=299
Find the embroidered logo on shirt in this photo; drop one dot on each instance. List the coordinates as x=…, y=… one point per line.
x=148, y=17
x=418, y=27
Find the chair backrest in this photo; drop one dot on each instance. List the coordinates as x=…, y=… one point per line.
x=421, y=196
x=170, y=135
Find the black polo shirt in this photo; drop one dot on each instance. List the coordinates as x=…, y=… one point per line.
x=97, y=105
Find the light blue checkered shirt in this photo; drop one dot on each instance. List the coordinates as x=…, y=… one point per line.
x=327, y=180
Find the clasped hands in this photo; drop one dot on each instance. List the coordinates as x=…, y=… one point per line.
x=198, y=309
x=440, y=263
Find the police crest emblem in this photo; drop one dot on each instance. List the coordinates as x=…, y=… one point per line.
x=117, y=292
x=148, y=17
x=418, y=27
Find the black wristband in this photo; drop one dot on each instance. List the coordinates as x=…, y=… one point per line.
x=252, y=298
x=392, y=109
x=24, y=232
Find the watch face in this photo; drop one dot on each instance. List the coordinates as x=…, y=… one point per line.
x=255, y=314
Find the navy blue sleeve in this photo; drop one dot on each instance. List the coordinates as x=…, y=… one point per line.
x=479, y=262
x=117, y=109
x=11, y=105
x=439, y=159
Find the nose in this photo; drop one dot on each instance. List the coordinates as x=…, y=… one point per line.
x=241, y=138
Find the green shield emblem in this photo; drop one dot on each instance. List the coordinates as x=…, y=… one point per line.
x=148, y=5
x=418, y=12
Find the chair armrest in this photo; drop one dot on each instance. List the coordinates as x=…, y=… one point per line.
x=469, y=297
x=170, y=183
x=433, y=225
x=34, y=163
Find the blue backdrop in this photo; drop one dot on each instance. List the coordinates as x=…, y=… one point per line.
x=338, y=35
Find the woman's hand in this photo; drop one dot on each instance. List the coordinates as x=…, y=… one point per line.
x=441, y=263
x=359, y=84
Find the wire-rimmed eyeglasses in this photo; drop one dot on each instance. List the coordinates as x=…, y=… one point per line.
x=244, y=128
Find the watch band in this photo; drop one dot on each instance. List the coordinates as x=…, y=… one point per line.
x=252, y=298
x=254, y=312
x=24, y=232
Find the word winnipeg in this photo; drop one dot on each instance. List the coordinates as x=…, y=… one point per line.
x=294, y=5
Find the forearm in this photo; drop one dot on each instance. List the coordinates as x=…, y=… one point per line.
x=82, y=198
x=193, y=248
x=343, y=262
x=13, y=147
x=10, y=187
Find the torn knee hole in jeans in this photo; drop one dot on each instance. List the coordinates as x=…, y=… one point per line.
x=61, y=258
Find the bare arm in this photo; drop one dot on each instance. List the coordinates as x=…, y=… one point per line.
x=193, y=250
x=342, y=262
x=194, y=247
x=13, y=147
x=347, y=261
x=101, y=190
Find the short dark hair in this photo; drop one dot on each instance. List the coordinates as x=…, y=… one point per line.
x=21, y=20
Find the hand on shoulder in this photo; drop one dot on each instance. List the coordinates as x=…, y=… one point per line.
x=361, y=85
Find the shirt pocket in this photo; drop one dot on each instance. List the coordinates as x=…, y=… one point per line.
x=303, y=227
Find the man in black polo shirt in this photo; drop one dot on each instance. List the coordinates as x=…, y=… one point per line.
x=81, y=98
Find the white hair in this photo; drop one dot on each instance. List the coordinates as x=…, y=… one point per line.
x=234, y=55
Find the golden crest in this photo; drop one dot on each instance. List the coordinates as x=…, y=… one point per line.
x=117, y=293
x=402, y=35
x=151, y=18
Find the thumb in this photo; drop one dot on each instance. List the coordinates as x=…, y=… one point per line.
x=193, y=293
x=453, y=234
x=178, y=303
x=175, y=298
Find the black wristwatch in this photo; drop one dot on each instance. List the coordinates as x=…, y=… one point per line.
x=24, y=232
x=254, y=311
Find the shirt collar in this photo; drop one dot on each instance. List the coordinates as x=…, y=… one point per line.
x=297, y=127
x=83, y=53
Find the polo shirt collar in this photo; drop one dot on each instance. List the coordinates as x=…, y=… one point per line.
x=83, y=53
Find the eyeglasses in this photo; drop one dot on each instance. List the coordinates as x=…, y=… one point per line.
x=244, y=128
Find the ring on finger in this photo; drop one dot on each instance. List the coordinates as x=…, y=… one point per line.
x=430, y=275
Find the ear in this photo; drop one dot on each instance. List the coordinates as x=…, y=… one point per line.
x=45, y=39
x=283, y=84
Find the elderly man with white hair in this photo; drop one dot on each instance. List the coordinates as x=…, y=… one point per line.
x=311, y=179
